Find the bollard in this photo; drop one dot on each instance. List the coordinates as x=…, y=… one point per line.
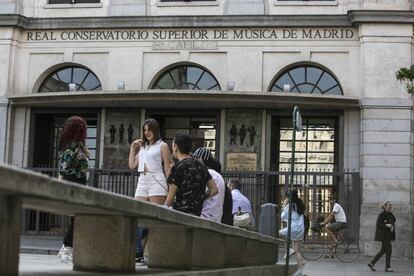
x=268, y=221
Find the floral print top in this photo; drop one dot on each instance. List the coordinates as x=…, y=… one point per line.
x=73, y=161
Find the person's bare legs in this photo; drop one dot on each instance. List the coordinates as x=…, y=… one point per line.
x=158, y=200
x=332, y=236
x=142, y=198
x=296, y=247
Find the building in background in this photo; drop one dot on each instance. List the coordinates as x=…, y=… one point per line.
x=229, y=73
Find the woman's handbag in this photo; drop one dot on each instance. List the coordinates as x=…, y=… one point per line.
x=242, y=220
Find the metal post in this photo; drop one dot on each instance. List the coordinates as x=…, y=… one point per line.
x=296, y=110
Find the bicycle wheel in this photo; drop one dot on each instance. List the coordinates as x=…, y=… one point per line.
x=347, y=252
x=312, y=247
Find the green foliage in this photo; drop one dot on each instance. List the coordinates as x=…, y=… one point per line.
x=406, y=74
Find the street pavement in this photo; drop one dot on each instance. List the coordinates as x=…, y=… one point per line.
x=38, y=264
x=43, y=258
x=329, y=267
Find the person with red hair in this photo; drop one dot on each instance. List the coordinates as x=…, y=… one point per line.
x=73, y=165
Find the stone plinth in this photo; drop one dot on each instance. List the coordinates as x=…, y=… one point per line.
x=10, y=220
x=104, y=243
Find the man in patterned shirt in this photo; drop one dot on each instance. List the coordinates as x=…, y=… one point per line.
x=188, y=179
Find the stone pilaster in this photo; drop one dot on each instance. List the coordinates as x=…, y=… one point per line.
x=386, y=170
x=4, y=103
x=127, y=7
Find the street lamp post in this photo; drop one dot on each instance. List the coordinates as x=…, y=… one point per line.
x=297, y=125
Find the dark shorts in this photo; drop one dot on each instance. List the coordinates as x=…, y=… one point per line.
x=336, y=226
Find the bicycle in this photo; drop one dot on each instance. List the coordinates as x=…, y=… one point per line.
x=317, y=243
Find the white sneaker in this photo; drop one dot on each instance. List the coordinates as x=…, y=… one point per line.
x=299, y=272
x=291, y=252
x=65, y=254
x=145, y=259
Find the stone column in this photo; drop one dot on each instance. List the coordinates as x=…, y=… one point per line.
x=104, y=243
x=386, y=170
x=10, y=227
x=4, y=103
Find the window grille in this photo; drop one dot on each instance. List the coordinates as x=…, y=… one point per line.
x=59, y=80
x=307, y=79
x=189, y=77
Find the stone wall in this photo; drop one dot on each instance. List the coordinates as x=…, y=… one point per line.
x=11, y=6
x=127, y=7
x=121, y=126
x=386, y=170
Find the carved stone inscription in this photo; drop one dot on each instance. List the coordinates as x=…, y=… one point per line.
x=194, y=36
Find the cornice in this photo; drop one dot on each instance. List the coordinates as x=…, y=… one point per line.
x=379, y=16
x=354, y=17
x=175, y=21
x=183, y=99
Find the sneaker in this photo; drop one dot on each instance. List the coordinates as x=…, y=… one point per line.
x=59, y=255
x=389, y=269
x=140, y=261
x=145, y=259
x=329, y=256
x=371, y=266
x=299, y=272
x=65, y=254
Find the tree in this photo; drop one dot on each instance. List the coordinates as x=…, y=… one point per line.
x=406, y=74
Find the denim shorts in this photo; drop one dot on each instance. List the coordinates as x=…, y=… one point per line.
x=336, y=226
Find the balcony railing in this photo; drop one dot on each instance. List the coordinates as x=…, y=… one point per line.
x=260, y=187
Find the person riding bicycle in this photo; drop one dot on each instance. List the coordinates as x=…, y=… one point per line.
x=340, y=220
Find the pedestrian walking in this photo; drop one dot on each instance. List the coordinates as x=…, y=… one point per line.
x=188, y=179
x=212, y=207
x=151, y=156
x=73, y=165
x=297, y=226
x=384, y=232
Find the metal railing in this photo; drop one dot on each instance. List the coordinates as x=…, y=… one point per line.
x=260, y=187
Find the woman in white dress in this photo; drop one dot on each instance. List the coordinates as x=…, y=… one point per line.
x=153, y=163
x=152, y=158
x=297, y=229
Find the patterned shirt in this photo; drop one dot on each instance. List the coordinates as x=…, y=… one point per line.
x=73, y=161
x=191, y=177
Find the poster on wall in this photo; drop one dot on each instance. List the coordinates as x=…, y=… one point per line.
x=243, y=136
x=241, y=161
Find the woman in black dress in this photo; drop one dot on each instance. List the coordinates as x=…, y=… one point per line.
x=385, y=232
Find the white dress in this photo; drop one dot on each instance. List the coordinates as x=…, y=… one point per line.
x=297, y=229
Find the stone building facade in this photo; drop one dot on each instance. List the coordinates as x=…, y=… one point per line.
x=229, y=72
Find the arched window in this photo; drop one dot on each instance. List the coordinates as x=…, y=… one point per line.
x=308, y=79
x=59, y=80
x=186, y=77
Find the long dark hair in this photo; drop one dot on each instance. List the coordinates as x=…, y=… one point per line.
x=154, y=127
x=74, y=130
x=297, y=203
